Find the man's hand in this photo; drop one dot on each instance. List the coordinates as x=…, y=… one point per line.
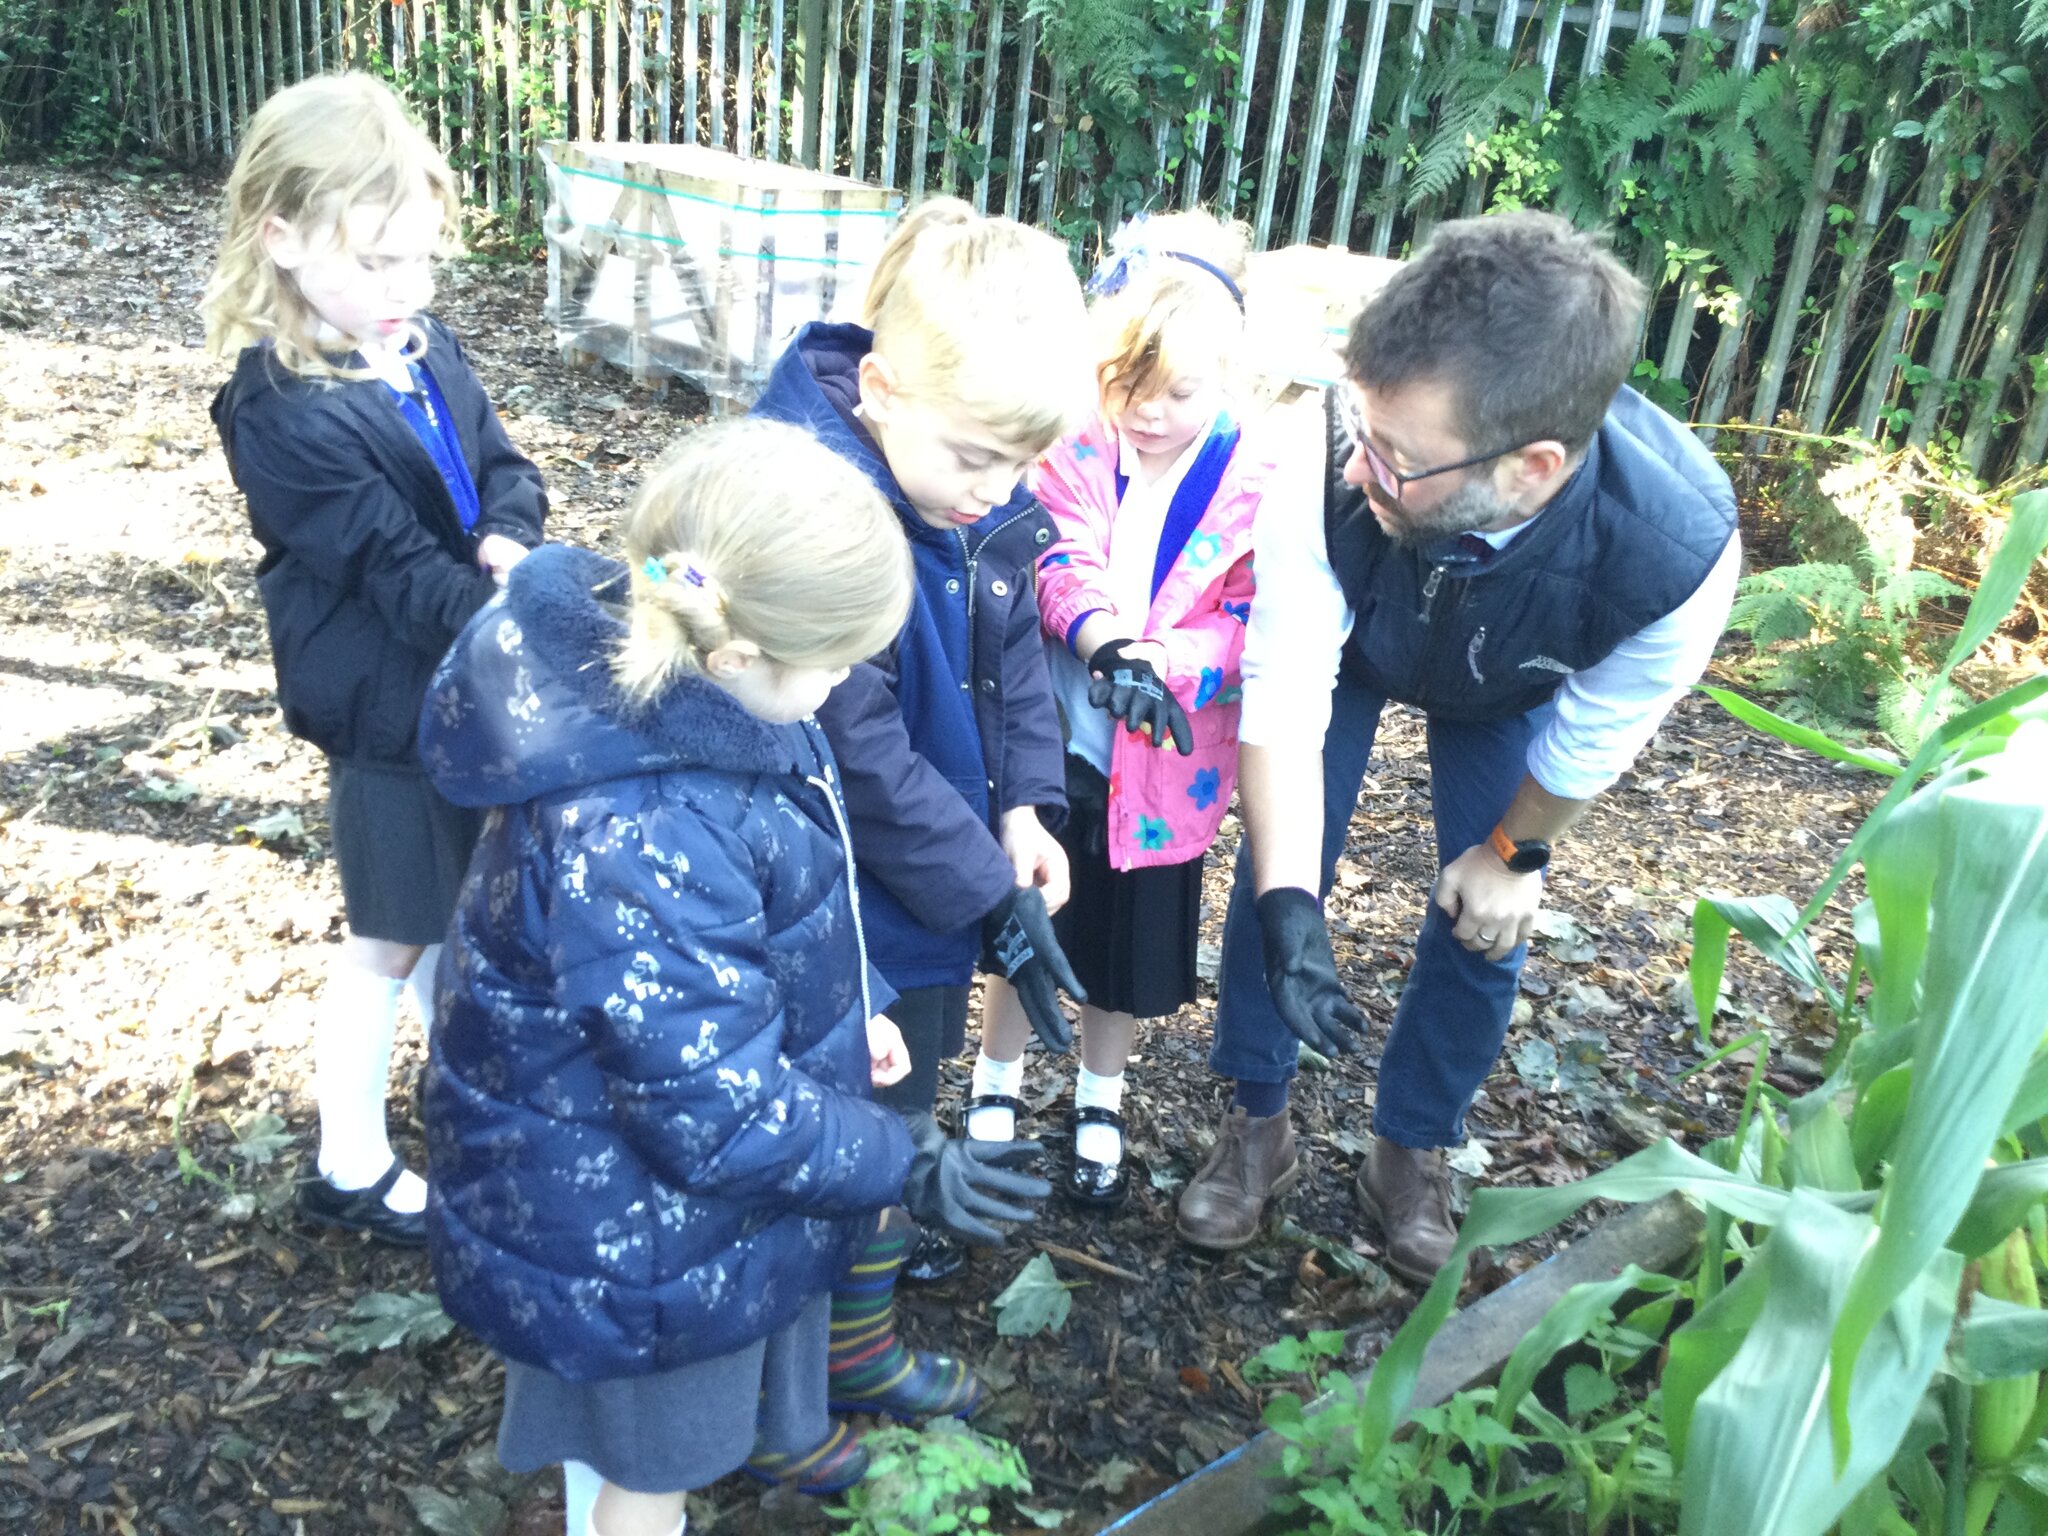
x=1492, y=909
x=497, y=554
x=1019, y=934
x=1126, y=681
x=1301, y=973
x=1036, y=855
x=962, y=1185
x=888, y=1056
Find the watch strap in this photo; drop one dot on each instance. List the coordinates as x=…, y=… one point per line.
x=1502, y=845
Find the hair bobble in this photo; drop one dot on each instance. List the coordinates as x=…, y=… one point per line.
x=657, y=570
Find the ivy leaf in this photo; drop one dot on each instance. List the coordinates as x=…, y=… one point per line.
x=1035, y=1302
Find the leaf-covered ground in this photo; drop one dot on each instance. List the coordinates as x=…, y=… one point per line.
x=177, y=1357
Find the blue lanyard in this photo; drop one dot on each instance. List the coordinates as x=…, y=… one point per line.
x=426, y=412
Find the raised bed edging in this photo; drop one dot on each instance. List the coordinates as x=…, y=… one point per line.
x=1233, y=1495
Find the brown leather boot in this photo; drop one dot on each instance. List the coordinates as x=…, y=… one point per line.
x=1407, y=1190
x=1252, y=1162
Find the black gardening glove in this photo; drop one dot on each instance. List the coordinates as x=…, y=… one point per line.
x=960, y=1184
x=1132, y=690
x=1301, y=973
x=1019, y=935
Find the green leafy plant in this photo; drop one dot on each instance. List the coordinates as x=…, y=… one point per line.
x=1593, y=1453
x=1138, y=73
x=932, y=1482
x=1843, y=629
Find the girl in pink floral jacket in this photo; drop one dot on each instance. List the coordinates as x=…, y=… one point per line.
x=1144, y=596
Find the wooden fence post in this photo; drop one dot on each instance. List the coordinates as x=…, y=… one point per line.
x=810, y=41
x=2012, y=320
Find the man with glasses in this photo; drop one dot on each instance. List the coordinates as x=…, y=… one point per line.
x=1488, y=527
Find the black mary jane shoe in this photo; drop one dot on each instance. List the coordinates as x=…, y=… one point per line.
x=1100, y=1186
x=933, y=1257
x=362, y=1210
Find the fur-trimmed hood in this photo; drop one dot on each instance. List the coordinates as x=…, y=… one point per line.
x=524, y=704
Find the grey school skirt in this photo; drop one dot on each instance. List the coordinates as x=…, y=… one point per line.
x=402, y=850
x=677, y=1429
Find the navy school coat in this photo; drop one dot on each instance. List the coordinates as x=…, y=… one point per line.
x=648, y=1125
x=955, y=723
x=367, y=572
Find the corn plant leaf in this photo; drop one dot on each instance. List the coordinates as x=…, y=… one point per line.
x=1567, y=1321
x=1996, y=716
x=1697, y=1352
x=1822, y=1156
x=2004, y=1196
x=1771, y=924
x=1500, y=1216
x=2030, y=1103
x=1792, y=733
x=2002, y=1338
x=1898, y=873
x=1759, y=1455
x=2026, y=537
x=1980, y=1019
x=1880, y=1111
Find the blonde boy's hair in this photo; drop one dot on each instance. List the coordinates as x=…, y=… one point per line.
x=753, y=530
x=984, y=316
x=312, y=152
x=1170, y=315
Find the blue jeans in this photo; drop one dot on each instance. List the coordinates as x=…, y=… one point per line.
x=1454, y=1011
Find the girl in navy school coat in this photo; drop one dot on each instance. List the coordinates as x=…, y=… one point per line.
x=388, y=501
x=649, y=1129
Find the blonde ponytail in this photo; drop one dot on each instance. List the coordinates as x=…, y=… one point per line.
x=753, y=531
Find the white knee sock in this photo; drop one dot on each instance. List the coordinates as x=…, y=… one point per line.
x=1098, y=1143
x=420, y=985
x=677, y=1530
x=995, y=1077
x=351, y=1074
x=580, y=1487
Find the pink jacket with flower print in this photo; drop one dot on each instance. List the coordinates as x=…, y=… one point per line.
x=1163, y=808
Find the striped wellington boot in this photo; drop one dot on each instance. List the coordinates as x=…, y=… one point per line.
x=831, y=1466
x=870, y=1370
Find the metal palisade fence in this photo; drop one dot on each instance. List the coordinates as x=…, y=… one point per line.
x=1837, y=209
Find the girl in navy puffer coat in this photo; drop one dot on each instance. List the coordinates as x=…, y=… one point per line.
x=651, y=1144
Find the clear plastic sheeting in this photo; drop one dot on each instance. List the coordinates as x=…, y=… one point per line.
x=675, y=261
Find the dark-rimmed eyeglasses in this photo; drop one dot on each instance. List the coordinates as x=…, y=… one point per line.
x=1390, y=482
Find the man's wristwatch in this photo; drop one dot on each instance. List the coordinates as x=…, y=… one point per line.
x=1523, y=858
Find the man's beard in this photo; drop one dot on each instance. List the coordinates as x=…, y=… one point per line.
x=1470, y=507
